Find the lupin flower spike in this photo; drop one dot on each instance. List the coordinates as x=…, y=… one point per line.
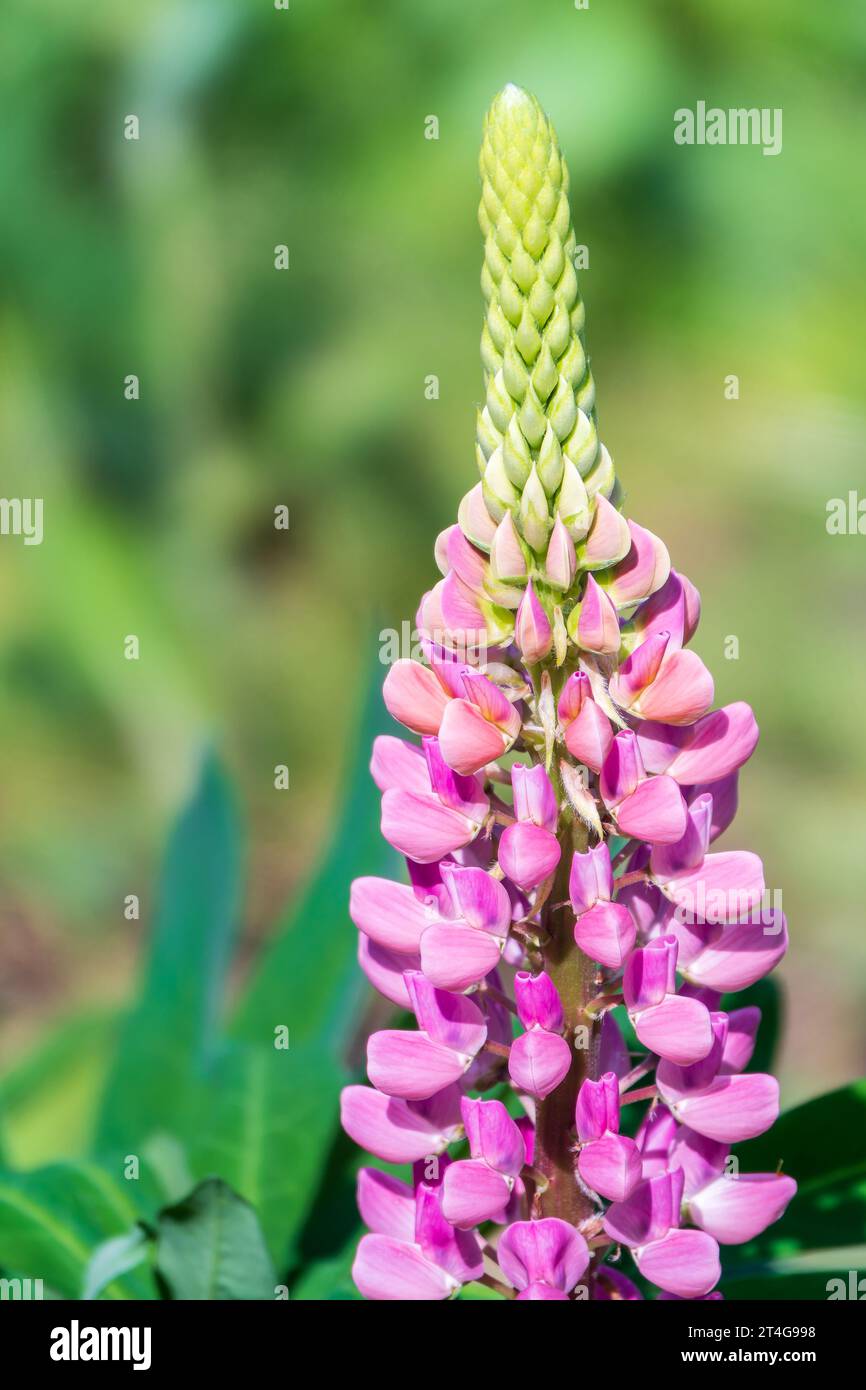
x=575, y=880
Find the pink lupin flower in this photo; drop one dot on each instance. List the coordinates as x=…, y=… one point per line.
x=663, y=683
x=731, y=955
x=559, y=632
x=414, y=1066
x=413, y=1253
x=532, y=631
x=458, y=952
x=428, y=825
x=479, y=728
x=646, y=808
x=705, y=751
x=588, y=734
x=682, y=1262
x=604, y=930
x=706, y=887
x=542, y=1259
x=479, y=1188
x=668, y=1023
x=732, y=1207
x=400, y=1131
x=415, y=696
x=540, y=1057
x=608, y=1162
x=529, y=850
x=642, y=572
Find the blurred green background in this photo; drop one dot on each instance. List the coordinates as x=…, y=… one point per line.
x=306, y=388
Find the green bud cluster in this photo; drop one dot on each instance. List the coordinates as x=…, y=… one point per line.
x=538, y=448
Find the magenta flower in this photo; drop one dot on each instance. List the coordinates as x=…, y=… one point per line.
x=557, y=808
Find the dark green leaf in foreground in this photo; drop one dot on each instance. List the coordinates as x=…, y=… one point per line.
x=210, y=1247
x=309, y=978
x=265, y=1118
x=820, y=1144
x=171, y=1032
x=51, y=1221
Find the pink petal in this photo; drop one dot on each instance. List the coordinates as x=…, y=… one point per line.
x=733, y=1108
x=538, y=1002
x=387, y=1269
x=468, y=563
x=385, y=970
x=655, y=812
x=415, y=695
x=532, y=631
x=528, y=853
x=549, y=1251
x=649, y=1212
x=455, y=956
x=643, y=571
x=538, y=1061
x=590, y=878
x=473, y=1192
x=724, y=888
x=475, y=521
x=399, y=765
x=467, y=740
x=685, y=1263
x=464, y=621
x=589, y=736
x=734, y=1210
x=609, y=539
x=389, y=913
x=410, y=1065
x=387, y=1206
x=682, y=691
x=493, y=1135
x=678, y=1029
x=711, y=749
x=422, y=828
x=534, y=797
x=481, y=900
x=606, y=933
x=598, y=623
x=396, y=1131
x=739, y=953
x=611, y=1166
x=449, y=1019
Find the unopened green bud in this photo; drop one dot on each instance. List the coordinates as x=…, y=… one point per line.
x=537, y=435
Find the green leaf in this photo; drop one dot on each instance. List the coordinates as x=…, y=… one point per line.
x=210, y=1247
x=48, y=1099
x=113, y=1258
x=479, y=1293
x=266, y=1118
x=820, y=1144
x=53, y=1218
x=329, y=1280
x=309, y=979
x=171, y=1033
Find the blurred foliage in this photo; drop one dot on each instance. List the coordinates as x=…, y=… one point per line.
x=306, y=389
